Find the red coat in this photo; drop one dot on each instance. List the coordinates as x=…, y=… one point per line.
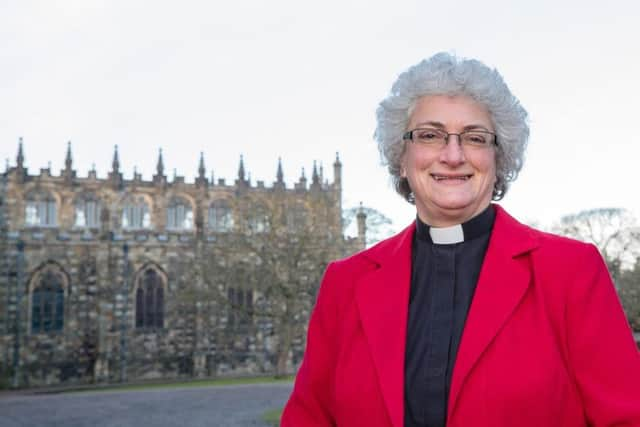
x=546, y=342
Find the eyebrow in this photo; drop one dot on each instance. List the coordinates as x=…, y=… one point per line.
x=440, y=125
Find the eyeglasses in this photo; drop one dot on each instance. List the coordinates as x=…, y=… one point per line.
x=438, y=138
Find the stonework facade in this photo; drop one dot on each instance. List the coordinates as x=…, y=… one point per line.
x=108, y=279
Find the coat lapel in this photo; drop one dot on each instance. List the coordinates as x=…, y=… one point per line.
x=503, y=281
x=383, y=299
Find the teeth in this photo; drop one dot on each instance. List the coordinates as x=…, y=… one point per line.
x=441, y=177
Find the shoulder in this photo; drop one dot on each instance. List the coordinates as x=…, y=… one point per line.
x=569, y=263
x=554, y=244
x=564, y=250
x=371, y=258
x=559, y=259
x=342, y=275
x=542, y=243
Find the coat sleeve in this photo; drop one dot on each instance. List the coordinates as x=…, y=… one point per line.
x=602, y=353
x=310, y=402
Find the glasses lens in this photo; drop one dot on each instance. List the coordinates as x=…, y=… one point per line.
x=477, y=138
x=429, y=136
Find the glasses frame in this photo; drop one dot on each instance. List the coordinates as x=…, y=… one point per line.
x=409, y=136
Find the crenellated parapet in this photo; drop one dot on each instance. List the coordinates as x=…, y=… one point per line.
x=91, y=205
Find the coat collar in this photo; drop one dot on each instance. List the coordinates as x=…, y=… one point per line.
x=382, y=297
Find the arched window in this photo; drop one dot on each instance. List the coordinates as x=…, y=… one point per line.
x=41, y=210
x=179, y=215
x=47, y=302
x=135, y=214
x=220, y=216
x=258, y=219
x=87, y=212
x=150, y=300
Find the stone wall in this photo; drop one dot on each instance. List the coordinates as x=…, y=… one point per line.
x=100, y=269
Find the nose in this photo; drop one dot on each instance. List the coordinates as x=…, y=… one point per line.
x=452, y=153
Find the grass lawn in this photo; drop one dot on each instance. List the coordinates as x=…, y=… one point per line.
x=181, y=384
x=272, y=417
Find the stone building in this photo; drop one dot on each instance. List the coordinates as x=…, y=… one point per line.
x=110, y=279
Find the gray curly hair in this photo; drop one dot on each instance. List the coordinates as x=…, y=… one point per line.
x=446, y=74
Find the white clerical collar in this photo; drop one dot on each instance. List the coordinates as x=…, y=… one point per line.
x=447, y=235
x=472, y=229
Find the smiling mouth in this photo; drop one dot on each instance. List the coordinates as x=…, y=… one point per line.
x=451, y=177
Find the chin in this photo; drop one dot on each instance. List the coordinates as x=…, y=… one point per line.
x=454, y=204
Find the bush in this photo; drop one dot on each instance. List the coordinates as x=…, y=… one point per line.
x=5, y=376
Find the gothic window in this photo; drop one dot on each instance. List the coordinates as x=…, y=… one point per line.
x=150, y=300
x=258, y=219
x=241, y=306
x=47, y=302
x=87, y=212
x=41, y=210
x=135, y=214
x=179, y=215
x=220, y=216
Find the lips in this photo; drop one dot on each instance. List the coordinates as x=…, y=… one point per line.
x=456, y=177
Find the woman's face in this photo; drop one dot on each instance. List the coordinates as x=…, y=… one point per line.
x=451, y=183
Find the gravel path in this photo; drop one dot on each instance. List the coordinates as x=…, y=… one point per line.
x=223, y=406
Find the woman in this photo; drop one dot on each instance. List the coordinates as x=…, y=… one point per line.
x=467, y=317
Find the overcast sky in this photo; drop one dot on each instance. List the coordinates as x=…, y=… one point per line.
x=301, y=80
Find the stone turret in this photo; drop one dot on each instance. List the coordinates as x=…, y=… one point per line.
x=315, y=178
x=279, y=176
x=68, y=171
x=201, y=180
x=160, y=164
x=242, y=180
x=241, y=173
x=115, y=176
x=337, y=173
x=21, y=171
x=20, y=156
x=160, y=178
x=115, y=164
x=302, y=182
x=68, y=160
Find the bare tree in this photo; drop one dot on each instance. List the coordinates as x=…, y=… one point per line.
x=614, y=231
x=291, y=256
x=378, y=225
x=269, y=273
x=290, y=269
x=629, y=290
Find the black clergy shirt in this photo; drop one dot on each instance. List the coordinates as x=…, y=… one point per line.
x=443, y=280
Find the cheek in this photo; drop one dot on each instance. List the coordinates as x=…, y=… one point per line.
x=413, y=164
x=487, y=166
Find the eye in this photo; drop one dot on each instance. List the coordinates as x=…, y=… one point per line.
x=475, y=138
x=428, y=134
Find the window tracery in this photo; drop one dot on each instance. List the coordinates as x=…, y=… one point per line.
x=87, y=212
x=135, y=214
x=47, y=301
x=150, y=300
x=220, y=216
x=179, y=214
x=41, y=210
